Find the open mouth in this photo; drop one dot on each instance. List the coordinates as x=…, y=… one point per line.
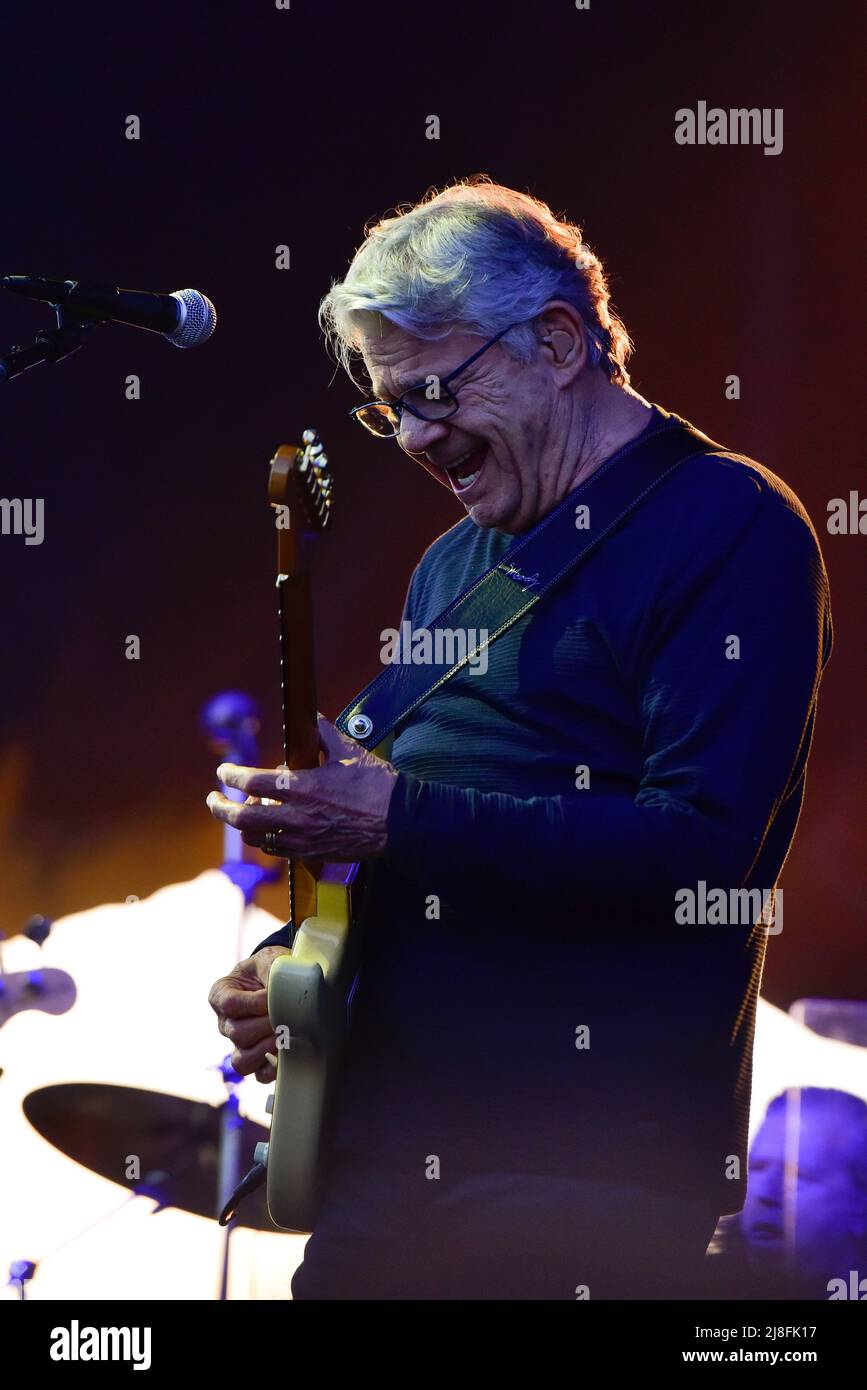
x=464, y=472
x=765, y=1232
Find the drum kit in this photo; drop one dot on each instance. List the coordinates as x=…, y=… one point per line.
x=124, y=1127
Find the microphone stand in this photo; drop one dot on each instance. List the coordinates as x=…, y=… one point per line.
x=51, y=345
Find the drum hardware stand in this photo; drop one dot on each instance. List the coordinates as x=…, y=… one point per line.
x=36, y=930
x=20, y=1274
x=231, y=720
x=228, y=1165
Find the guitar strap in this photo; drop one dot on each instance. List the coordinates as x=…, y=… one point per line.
x=531, y=567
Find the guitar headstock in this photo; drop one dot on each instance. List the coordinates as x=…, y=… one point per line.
x=300, y=485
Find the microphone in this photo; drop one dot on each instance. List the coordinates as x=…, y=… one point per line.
x=185, y=317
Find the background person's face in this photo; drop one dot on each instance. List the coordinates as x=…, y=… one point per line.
x=491, y=453
x=829, y=1216
x=762, y=1218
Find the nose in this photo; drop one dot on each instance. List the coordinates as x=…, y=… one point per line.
x=416, y=436
x=766, y=1186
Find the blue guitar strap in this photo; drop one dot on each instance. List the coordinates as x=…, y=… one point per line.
x=533, y=564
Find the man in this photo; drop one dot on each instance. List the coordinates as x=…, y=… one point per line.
x=547, y=1082
x=817, y=1228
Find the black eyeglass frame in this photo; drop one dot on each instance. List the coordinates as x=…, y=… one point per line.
x=399, y=406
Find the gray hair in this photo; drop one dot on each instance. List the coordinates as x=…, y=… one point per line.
x=476, y=256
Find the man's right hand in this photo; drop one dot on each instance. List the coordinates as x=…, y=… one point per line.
x=240, y=1001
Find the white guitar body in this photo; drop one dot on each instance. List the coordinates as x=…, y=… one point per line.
x=308, y=999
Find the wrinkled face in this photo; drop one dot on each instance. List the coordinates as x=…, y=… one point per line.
x=829, y=1213
x=492, y=452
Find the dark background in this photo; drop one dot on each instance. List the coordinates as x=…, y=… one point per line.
x=262, y=127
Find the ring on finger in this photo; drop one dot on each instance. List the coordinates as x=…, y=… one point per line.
x=270, y=845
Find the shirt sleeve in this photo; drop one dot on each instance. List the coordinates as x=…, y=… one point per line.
x=725, y=683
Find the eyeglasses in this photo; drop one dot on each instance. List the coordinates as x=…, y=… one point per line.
x=430, y=400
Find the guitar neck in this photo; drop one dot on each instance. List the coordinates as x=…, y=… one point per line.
x=300, y=731
x=297, y=671
x=299, y=491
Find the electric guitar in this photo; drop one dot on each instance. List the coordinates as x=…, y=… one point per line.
x=309, y=987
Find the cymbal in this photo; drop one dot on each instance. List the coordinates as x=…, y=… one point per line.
x=176, y=1141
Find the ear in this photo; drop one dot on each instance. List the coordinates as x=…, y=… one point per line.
x=563, y=338
x=559, y=342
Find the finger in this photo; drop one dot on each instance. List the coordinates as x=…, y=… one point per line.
x=252, y=815
x=246, y=1032
x=266, y=1074
x=226, y=997
x=258, y=781
x=251, y=1059
x=254, y=838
